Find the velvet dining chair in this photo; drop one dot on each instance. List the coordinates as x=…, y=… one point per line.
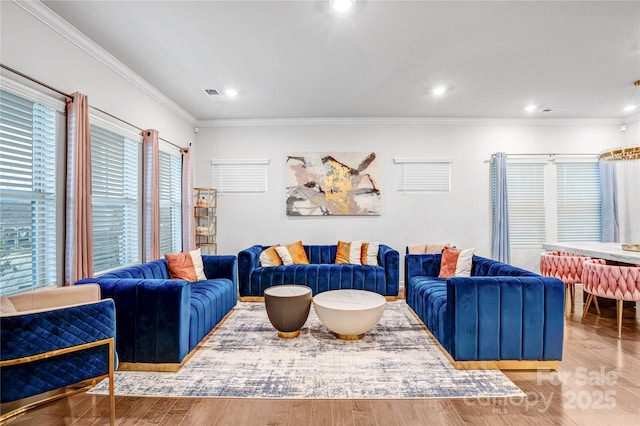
x=621, y=283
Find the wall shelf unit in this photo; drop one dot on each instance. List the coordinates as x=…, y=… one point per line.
x=204, y=211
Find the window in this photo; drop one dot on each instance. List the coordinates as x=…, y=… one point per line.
x=27, y=194
x=525, y=186
x=579, y=201
x=115, y=166
x=240, y=176
x=554, y=199
x=170, y=202
x=415, y=175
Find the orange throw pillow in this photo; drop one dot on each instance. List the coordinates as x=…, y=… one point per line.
x=181, y=266
x=448, y=262
x=298, y=255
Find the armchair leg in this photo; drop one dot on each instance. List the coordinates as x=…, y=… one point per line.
x=112, y=394
x=595, y=302
x=619, y=307
x=586, y=307
x=573, y=294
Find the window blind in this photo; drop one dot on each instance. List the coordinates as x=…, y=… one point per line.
x=27, y=194
x=526, y=187
x=422, y=175
x=240, y=176
x=579, y=201
x=115, y=165
x=170, y=203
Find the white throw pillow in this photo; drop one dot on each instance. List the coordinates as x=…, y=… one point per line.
x=463, y=265
x=284, y=254
x=196, y=256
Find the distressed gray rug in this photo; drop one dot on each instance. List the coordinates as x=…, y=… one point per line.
x=245, y=358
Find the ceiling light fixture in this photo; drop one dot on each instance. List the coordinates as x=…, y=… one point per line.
x=342, y=5
x=530, y=108
x=630, y=108
x=230, y=92
x=439, y=90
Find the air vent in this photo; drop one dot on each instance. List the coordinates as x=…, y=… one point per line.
x=546, y=109
x=212, y=92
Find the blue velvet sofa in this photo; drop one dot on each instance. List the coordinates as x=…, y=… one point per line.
x=159, y=320
x=500, y=317
x=321, y=274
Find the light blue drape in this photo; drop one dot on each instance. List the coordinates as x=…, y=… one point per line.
x=609, y=190
x=501, y=248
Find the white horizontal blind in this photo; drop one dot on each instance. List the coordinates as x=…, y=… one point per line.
x=579, y=201
x=526, y=188
x=170, y=203
x=423, y=176
x=239, y=176
x=27, y=194
x=115, y=165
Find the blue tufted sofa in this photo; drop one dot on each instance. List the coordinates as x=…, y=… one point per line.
x=322, y=274
x=500, y=317
x=160, y=321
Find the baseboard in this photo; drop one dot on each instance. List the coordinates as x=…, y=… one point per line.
x=170, y=367
x=504, y=364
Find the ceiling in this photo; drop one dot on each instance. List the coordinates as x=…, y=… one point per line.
x=299, y=59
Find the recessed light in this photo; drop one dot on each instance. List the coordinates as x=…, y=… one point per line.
x=230, y=92
x=530, y=108
x=342, y=5
x=629, y=108
x=439, y=90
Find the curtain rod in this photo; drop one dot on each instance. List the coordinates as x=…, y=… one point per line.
x=36, y=81
x=71, y=97
x=545, y=154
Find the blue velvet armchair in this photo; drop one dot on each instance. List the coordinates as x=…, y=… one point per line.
x=54, y=339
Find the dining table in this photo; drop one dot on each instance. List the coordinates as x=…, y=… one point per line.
x=608, y=251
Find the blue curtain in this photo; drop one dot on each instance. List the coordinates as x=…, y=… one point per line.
x=501, y=249
x=609, y=190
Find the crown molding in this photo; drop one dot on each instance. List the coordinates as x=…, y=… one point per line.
x=408, y=121
x=72, y=34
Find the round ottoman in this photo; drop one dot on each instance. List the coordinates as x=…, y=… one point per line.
x=349, y=313
x=288, y=308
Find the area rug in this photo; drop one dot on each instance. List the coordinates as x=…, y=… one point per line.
x=245, y=358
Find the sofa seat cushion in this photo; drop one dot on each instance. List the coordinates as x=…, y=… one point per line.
x=429, y=300
x=211, y=300
x=321, y=277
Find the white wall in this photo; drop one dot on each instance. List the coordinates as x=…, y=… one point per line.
x=33, y=48
x=462, y=217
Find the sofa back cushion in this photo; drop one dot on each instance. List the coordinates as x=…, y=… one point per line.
x=154, y=269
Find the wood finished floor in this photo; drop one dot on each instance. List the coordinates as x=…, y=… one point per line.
x=598, y=383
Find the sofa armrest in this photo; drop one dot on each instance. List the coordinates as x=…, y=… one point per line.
x=220, y=266
x=487, y=316
x=54, y=297
x=152, y=317
x=416, y=265
x=389, y=259
x=248, y=260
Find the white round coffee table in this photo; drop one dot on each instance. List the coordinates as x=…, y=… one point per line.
x=349, y=313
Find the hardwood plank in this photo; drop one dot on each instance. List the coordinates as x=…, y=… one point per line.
x=562, y=397
x=272, y=412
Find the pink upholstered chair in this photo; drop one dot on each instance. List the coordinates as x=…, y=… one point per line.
x=613, y=282
x=568, y=268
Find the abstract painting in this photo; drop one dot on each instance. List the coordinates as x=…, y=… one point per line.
x=328, y=184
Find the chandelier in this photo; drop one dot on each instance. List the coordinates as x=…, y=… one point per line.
x=624, y=153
